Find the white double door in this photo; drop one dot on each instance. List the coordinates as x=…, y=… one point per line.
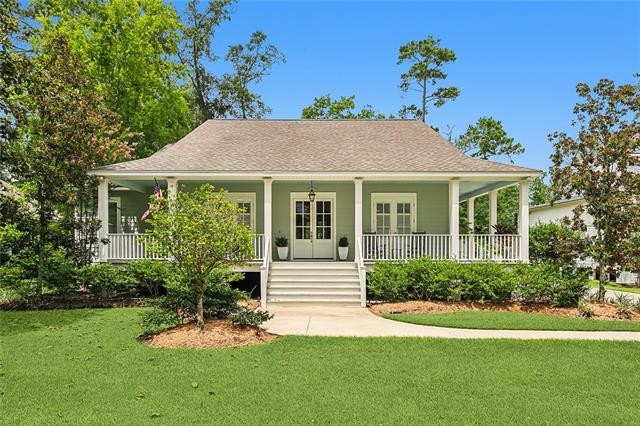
x=313, y=227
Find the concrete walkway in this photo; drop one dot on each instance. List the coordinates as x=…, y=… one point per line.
x=612, y=294
x=358, y=322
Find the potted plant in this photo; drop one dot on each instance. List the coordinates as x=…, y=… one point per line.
x=282, y=244
x=343, y=248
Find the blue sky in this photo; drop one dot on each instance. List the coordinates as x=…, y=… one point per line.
x=518, y=62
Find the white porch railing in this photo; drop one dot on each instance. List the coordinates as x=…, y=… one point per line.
x=499, y=248
x=134, y=246
x=405, y=246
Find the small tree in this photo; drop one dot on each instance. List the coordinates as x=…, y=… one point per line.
x=597, y=165
x=425, y=59
x=199, y=231
x=555, y=243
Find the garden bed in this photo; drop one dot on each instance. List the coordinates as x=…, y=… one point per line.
x=603, y=311
x=78, y=301
x=217, y=334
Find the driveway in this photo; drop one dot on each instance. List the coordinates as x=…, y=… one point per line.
x=304, y=320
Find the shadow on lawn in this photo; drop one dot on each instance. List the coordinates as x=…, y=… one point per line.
x=19, y=322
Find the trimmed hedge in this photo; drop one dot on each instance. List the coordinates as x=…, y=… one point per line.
x=426, y=279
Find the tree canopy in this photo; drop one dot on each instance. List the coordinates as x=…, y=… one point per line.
x=596, y=164
x=326, y=108
x=128, y=48
x=487, y=138
x=426, y=60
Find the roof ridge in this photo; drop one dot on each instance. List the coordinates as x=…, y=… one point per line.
x=409, y=120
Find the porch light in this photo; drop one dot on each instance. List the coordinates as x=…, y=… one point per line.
x=312, y=193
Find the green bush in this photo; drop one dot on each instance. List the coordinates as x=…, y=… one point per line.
x=250, y=318
x=149, y=276
x=157, y=320
x=104, y=279
x=220, y=300
x=547, y=283
x=555, y=243
x=426, y=279
x=389, y=281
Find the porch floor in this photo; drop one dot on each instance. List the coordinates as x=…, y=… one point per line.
x=306, y=320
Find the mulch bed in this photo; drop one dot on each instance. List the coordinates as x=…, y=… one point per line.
x=75, y=302
x=216, y=334
x=605, y=311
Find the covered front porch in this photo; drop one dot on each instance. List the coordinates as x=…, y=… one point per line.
x=382, y=218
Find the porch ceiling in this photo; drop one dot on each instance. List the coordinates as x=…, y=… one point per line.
x=470, y=189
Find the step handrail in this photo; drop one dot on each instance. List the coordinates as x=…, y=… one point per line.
x=264, y=272
x=362, y=273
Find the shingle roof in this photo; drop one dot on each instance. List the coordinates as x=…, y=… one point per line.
x=312, y=146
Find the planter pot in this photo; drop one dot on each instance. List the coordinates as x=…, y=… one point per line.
x=283, y=253
x=343, y=252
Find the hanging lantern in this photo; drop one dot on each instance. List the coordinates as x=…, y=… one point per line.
x=312, y=193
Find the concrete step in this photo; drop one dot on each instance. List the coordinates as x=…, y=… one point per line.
x=329, y=286
x=312, y=265
x=313, y=300
x=312, y=272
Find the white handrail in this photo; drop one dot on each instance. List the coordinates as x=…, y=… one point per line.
x=264, y=272
x=362, y=273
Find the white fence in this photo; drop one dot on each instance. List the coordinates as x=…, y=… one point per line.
x=405, y=246
x=499, y=248
x=134, y=246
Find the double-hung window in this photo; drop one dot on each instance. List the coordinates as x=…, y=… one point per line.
x=246, y=201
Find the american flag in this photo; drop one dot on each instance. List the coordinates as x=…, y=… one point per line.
x=158, y=193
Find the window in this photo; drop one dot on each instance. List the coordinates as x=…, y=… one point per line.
x=115, y=212
x=247, y=202
x=393, y=213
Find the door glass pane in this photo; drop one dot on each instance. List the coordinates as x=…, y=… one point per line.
x=303, y=220
x=323, y=220
x=403, y=218
x=383, y=218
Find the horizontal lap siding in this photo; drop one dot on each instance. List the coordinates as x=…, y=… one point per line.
x=433, y=211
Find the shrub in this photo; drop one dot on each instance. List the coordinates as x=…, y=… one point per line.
x=624, y=305
x=219, y=301
x=250, y=318
x=547, y=283
x=157, y=320
x=149, y=276
x=389, y=281
x=343, y=242
x=585, y=308
x=104, y=279
x=554, y=243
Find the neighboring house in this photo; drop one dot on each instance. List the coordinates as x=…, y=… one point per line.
x=556, y=212
x=392, y=187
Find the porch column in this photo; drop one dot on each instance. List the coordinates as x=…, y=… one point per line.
x=493, y=211
x=471, y=204
x=454, y=218
x=103, y=216
x=172, y=188
x=523, y=219
x=266, y=226
x=358, y=211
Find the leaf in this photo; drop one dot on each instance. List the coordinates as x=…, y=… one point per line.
x=194, y=385
x=154, y=415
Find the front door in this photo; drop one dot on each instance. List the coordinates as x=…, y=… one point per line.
x=313, y=225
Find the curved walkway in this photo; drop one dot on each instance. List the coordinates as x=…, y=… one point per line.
x=357, y=322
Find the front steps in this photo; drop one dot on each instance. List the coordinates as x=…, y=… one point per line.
x=321, y=283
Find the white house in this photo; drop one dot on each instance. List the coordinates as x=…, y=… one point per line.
x=392, y=187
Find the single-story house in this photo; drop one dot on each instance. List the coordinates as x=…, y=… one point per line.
x=391, y=187
x=556, y=212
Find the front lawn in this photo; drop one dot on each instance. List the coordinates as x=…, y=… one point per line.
x=615, y=287
x=85, y=367
x=504, y=320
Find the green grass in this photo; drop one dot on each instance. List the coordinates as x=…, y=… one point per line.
x=615, y=287
x=85, y=367
x=501, y=320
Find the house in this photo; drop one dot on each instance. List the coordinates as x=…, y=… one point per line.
x=556, y=212
x=392, y=187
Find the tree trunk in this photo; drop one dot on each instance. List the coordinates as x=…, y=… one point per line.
x=424, y=101
x=199, y=313
x=604, y=279
x=42, y=241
